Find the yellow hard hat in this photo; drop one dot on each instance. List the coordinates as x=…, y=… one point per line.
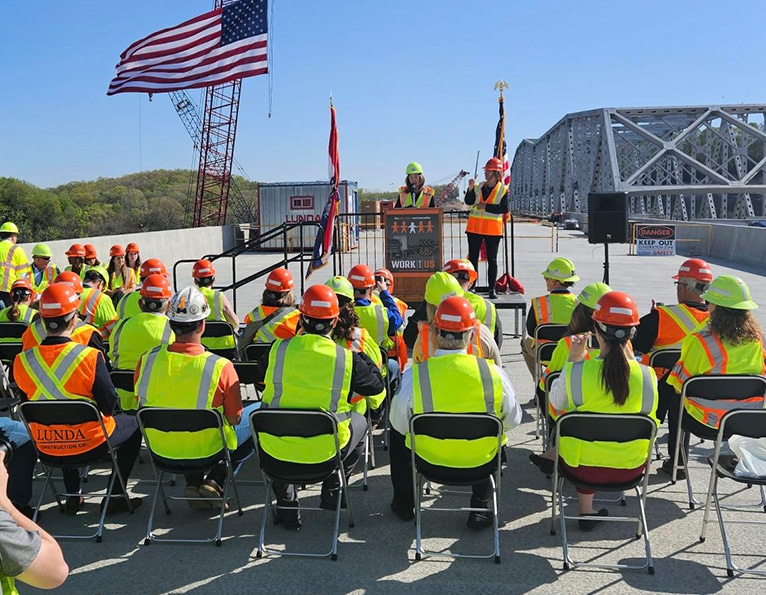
x=42, y=250
x=414, y=168
x=591, y=293
x=561, y=269
x=440, y=286
x=9, y=227
x=730, y=292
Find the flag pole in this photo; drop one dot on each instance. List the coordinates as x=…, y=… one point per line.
x=500, y=86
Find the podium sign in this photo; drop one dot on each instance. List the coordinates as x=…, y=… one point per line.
x=413, y=240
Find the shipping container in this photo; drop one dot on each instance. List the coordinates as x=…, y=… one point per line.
x=293, y=202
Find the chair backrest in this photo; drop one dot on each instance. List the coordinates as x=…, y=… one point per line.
x=605, y=427
x=169, y=419
x=664, y=358
x=255, y=351
x=302, y=423
x=549, y=380
x=545, y=352
x=247, y=372
x=724, y=386
x=122, y=379
x=9, y=351
x=70, y=412
x=12, y=330
x=550, y=332
x=744, y=422
x=164, y=422
x=218, y=328
x=456, y=426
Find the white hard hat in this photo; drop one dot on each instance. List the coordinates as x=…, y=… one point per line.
x=188, y=305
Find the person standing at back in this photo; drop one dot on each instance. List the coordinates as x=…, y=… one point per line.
x=415, y=193
x=76, y=258
x=122, y=279
x=43, y=272
x=91, y=256
x=13, y=260
x=133, y=258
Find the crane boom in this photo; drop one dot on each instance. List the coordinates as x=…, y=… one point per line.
x=442, y=198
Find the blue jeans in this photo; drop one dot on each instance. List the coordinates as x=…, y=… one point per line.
x=394, y=375
x=22, y=465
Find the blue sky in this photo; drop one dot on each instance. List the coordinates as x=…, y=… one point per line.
x=412, y=80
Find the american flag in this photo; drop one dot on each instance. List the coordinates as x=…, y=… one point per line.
x=501, y=152
x=219, y=46
x=323, y=242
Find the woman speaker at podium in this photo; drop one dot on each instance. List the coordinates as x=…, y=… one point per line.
x=415, y=193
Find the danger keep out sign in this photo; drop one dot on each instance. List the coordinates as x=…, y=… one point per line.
x=655, y=240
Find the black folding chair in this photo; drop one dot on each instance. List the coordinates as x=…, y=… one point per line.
x=255, y=351
x=12, y=330
x=546, y=338
x=741, y=422
x=248, y=376
x=600, y=427
x=713, y=387
x=218, y=329
x=387, y=403
x=54, y=415
x=463, y=427
x=298, y=423
x=663, y=359
x=180, y=425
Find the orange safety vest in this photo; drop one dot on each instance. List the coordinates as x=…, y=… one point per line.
x=399, y=349
x=281, y=327
x=675, y=323
x=422, y=200
x=482, y=222
x=60, y=372
x=428, y=349
x=35, y=334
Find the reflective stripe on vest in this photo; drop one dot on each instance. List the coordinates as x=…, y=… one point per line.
x=482, y=222
x=675, y=323
x=266, y=334
x=578, y=393
x=204, y=385
x=427, y=347
x=8, y=275
x=423, y=199
x=47, y=277
x=50, y=381
x=487, y=384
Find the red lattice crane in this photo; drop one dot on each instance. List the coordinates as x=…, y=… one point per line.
x=442, y=198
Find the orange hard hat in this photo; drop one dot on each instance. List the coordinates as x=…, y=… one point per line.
x=76, y=250
x=153, y=266
x=116, y=250
x=132, y=247
x=697, y=269
x=616, y=309
x=388, y=276
x=455, y=314
x=280, y=280
x=461, y=265
x=90, y=251
x=203, y=268
x=57, y=300
x=361, y=276
x=22, y=283
x=156, y=287
x=319, y=301
x=494, y=164
x=70, y=278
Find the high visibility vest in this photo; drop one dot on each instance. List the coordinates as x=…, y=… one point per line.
x=374, y=318
x=128, y=305
x=422, y=200
x=324, y=382
x=486, y=313
x=361, y=342
x=47, y=277
x=259, y=313
x=482, y=222
x=425, y=344
x=82, y=271
x=553, y=308
x=36, y=332
x=586, y=393
x=703, y=352
x=456, y=383
x=97, y=310
x=26, y=314
x=14, y=264
x=215, y=300
x=675, y=323
x=60, y=372
x=183, y=381
x=559, y=359
x=8, y=585
x=281, y=326
x=116, y=279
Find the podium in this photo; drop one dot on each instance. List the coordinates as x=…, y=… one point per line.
x=413, y=246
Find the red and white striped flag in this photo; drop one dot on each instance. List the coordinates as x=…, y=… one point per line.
x=222, y=45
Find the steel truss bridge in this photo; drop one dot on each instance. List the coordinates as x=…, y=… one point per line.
x=684, y=163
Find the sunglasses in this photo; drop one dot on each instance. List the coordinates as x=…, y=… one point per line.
x=43, y=257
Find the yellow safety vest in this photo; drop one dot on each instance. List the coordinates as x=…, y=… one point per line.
x=374, y=318
x=116, y=280
x=361, y=342
x=586, y=392
x=324, y=382
x=423, y=199
x=14, y=264
x=49, y=274
x=128, y=305
x=183, y=381
x=484, y=309
x=8, y=585
x=97, y=310
x=553, y=308
x=559, y=359
x=215, y=301
x=26, y=314
x=482, y=222
x=456, y=383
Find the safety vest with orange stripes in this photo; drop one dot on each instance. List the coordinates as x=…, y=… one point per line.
x=423, y=199
x=36, y=332
x=482, y=222
x=553, y=308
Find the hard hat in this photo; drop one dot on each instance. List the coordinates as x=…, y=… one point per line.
x=153, y=266
x=280, y=280
x=341, y=286
x=70, y=278
x=561, y=269
x=58, y=300
x=319, y=301
x=388, y=276
x=730, y=292
x=616, y=309
x=97, y=271
x=116, y=250
x=494, y=164
x=90, y=251
x=76, y=251
x=440, y=286
x=697, y=269
x=591, y=293
x=461, y=265
x=42, y=250
x=9, y=227
x=455, y=314
x=203, y=268
x=132, y=247
x=156, y=287
x=361, y=276
x=188, y=305
x=414, y=168
x=22, y=283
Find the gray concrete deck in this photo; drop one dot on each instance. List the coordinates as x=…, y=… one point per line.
x=377, y=555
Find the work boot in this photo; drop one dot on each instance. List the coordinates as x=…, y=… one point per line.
x=667, y=467
x=74, y=504
x=191, y=491
x=213, y=492
x=590, y=524
x=480, y=520
x=287, y=515
x=328, y=500
x=118, y=504
x=400, y=510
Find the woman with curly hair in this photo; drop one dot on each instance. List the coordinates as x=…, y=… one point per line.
x=121, y=277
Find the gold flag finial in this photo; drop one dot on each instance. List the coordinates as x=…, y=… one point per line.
x=501, y=86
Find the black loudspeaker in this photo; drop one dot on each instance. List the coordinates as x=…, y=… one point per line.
x=608, y=218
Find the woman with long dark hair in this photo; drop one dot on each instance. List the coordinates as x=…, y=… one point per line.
x=415, y=193
x=21, y=297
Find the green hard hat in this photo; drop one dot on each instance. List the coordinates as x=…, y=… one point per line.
x=42, y=250
x=341, y=286
x=440, y=286
x=561, y=269
x=9, y=227
x=591, y=293
x=730, y=292
x=414, y=168
x=100, y=271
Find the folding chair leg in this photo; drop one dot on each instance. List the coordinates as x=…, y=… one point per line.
x=562, y=519
x=710, y=490
x=724, y=538
x=645, y=531
x=418, y=484
x=495, y=520
x=679, y=435
x=266, y=510
x=150, y=523
x=692, y=500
